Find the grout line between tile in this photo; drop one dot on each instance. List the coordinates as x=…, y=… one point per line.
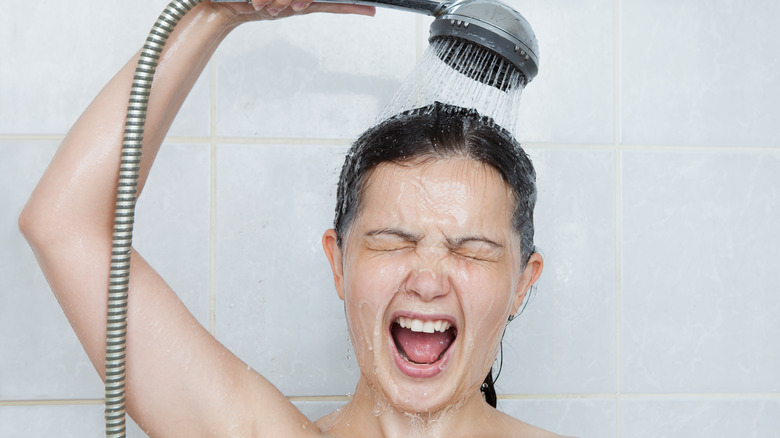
x=45, y=137
x=585, y=396
x=617, y=47
x=213, y=139
x=319, y=398
x=97, y=401
x=554, y=396
x=213, y=197
x=703, y=395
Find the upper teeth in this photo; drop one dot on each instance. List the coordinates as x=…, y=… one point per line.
x=418, y=325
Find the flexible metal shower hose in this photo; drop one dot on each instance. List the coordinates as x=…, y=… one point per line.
x=124, y=213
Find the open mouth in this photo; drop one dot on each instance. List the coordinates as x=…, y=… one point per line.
x=422, y=342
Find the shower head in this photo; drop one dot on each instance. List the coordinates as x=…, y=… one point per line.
x=493, y=26
x=488, y=24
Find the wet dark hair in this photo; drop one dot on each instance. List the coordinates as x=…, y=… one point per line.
x=440, y=131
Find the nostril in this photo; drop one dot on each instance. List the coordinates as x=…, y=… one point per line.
x=427, y=283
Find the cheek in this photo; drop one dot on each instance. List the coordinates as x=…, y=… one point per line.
x=367, y=295
x=485, y=292
x=486, y=298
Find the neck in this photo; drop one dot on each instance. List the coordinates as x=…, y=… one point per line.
x=369, y=413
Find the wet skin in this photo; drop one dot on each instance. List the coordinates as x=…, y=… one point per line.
x=432, y=241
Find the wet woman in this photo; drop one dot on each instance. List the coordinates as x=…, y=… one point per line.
x=432, y=252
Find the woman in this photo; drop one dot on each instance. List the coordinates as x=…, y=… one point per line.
x=432, y=252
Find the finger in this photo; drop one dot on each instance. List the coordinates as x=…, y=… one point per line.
x=341, y=8
x=258, y=4
x=300, y=5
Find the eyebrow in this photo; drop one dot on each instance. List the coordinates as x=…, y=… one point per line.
x=407, y=236
x=457, y=243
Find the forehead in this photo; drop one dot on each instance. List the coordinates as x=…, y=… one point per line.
x=453, y=192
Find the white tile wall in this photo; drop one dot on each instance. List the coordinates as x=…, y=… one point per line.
x=570, y=320
x=702, y=417
x=284, y=79
x=580, y=417
x=653, y=128
x=572, y=98
x=692, y=326
x=700, y=73
x=273, y=281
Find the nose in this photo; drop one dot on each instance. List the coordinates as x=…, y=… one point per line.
x=429, y=279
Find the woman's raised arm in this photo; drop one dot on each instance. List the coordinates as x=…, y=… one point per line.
x=180, y=380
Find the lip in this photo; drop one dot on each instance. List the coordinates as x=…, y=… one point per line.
x=421, y=371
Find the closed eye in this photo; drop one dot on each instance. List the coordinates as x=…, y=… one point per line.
x=478, y=256
x=477, y=248
x=390, y=239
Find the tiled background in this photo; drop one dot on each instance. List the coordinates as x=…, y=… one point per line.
x=654, y=129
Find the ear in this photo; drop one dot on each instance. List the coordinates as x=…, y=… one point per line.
x=333, y=252
x=533, y=269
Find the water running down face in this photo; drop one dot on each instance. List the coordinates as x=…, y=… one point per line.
x=430, y=270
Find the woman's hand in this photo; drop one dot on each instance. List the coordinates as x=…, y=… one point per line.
x=271, y=9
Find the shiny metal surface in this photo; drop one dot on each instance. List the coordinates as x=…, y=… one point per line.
x=494, y=26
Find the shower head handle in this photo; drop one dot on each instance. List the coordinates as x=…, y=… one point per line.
x=427, y=7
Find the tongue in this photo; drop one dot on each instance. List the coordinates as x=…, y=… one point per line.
x=422, y=347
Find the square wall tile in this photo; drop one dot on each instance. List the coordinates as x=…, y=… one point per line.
x=700, y=73
x=583, y=418
x=312, y=76
x=700, y=255
x=276, y=307
x=572, y=98
x=565, y=339
x=173, y=223
x=701, y=417
x=57, y=56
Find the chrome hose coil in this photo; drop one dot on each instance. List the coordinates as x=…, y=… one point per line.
x=124, y=213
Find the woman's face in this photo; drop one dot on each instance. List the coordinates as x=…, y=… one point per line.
x=431, y=269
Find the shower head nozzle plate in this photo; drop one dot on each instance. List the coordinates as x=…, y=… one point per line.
x=493, y=26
